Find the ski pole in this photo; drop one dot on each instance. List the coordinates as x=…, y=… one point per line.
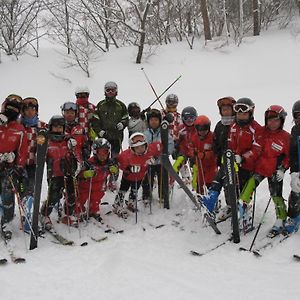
x=253, y=210
x=67, y=203
x=260, y=223
x=89, y=201
x=153, y=88
x=199, y=163
x=75, y=185
x=136, y=201
x=162, y=93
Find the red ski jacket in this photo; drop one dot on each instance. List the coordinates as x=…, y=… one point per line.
x=184, y=135
x=13, y=138
x=128, y=158
x=203, y=150
x=245, y=141
x=60, y=161
x=275, y=152
x=94, y=187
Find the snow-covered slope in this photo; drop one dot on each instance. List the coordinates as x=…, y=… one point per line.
x=146, y=262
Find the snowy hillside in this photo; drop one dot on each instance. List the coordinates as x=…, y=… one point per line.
x=146, y=262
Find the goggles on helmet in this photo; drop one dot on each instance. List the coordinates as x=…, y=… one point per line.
x=242, y=108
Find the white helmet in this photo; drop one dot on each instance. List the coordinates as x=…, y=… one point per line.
x=137, y=139
x=82, y=89
x=111, y=85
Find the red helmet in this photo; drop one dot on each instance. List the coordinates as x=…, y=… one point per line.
x=202, y=123
x=275, y=112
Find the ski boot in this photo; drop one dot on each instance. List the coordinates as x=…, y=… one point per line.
x=277, y=228
x=224, y=213
x=245, y=218
x=69, y=220
x=46, y=222
x=97, y=217
x=4, y=231
x=291, y=225
x=118, y=208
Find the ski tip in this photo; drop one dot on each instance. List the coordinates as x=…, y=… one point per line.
x=296, y=257
x=19, y=260
x=3, y=261
x=84, y=244
x=195, y=253
x=243, y=249
x=256, y=253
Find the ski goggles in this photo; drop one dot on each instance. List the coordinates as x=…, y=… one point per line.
x=30, y=103
x=102, y=151
x=242, y=108
x=272, y=115
x=172, y=103
x=82, y=95
x=189, y=119
x=203, y=127
x=69, y=106
x=110, y=90
x=138, y=142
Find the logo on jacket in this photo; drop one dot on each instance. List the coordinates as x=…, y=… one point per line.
x=276, y=147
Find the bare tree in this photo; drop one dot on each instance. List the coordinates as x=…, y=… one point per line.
x=256, y=18
x=206, y=23
x=18, y=25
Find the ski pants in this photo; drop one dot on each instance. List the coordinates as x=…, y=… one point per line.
x=31, y=179
x=148, y=181
x=7, y=201
x=294, y=205
x=275, y=188
x=56, y=187
x=124, y=187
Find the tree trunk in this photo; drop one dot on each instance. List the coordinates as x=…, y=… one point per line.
x=206, y=23
x=256, y=21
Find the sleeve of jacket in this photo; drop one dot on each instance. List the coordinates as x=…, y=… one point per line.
x=286, y=159
x=22, y=150
x=170, y=144
x=293, y=155
x=95, y=121
x=125, y=116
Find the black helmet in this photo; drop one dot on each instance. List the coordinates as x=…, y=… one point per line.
x=244, y=105
x=296, y=110
x=101, y=143
x=133, y=109
x=154, y=113
x=30, y=102
x=189, y=115
x=172, y=100
x=56, y=120
x=12, y=106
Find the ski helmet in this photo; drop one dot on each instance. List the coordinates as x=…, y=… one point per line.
x=12, y=107
x=244, y=105
x=189, y=115
x=82, y=92
x=56, y=121
x=275, y=112
x=110, y=89
x=30, y=102
x=154, y=113
x=137, y=139
x=172, y=100
x=296, y=110
x=202, y=123
x=101, y=143
x=69, y=106
x=225, y=101
x=133, y=109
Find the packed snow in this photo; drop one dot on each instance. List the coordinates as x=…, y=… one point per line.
x=148, y=261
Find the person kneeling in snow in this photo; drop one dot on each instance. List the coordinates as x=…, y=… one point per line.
x=134, y=163
x=93, y=181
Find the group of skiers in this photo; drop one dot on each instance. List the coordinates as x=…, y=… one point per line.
x=85, y=155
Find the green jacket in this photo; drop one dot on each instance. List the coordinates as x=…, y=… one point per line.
x=108, y=113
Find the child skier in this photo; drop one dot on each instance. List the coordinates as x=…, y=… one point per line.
x=201, y=151
x=62, y=167
x=134, y=163
x=13, y=155
x=93, y=181
x=137, y=120
x=272, y=163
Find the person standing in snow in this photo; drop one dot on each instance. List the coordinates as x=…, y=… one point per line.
x=13, y=156
x=294, y=198
x=31, y=122
x=272, y=163
x=134, y=163
x=137, y=121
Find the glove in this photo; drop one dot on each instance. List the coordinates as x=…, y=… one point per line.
x=78, y=169
x=3, y=119
x=178, y=163
x=279, y=175
x=8, y=157
x=169, y=117
x=135, y=169
x=295, y=182
x=120, y=126
x=71, y=143
x=113, y=169
x=88, y=174
x=238, y=159
x=101, y=133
